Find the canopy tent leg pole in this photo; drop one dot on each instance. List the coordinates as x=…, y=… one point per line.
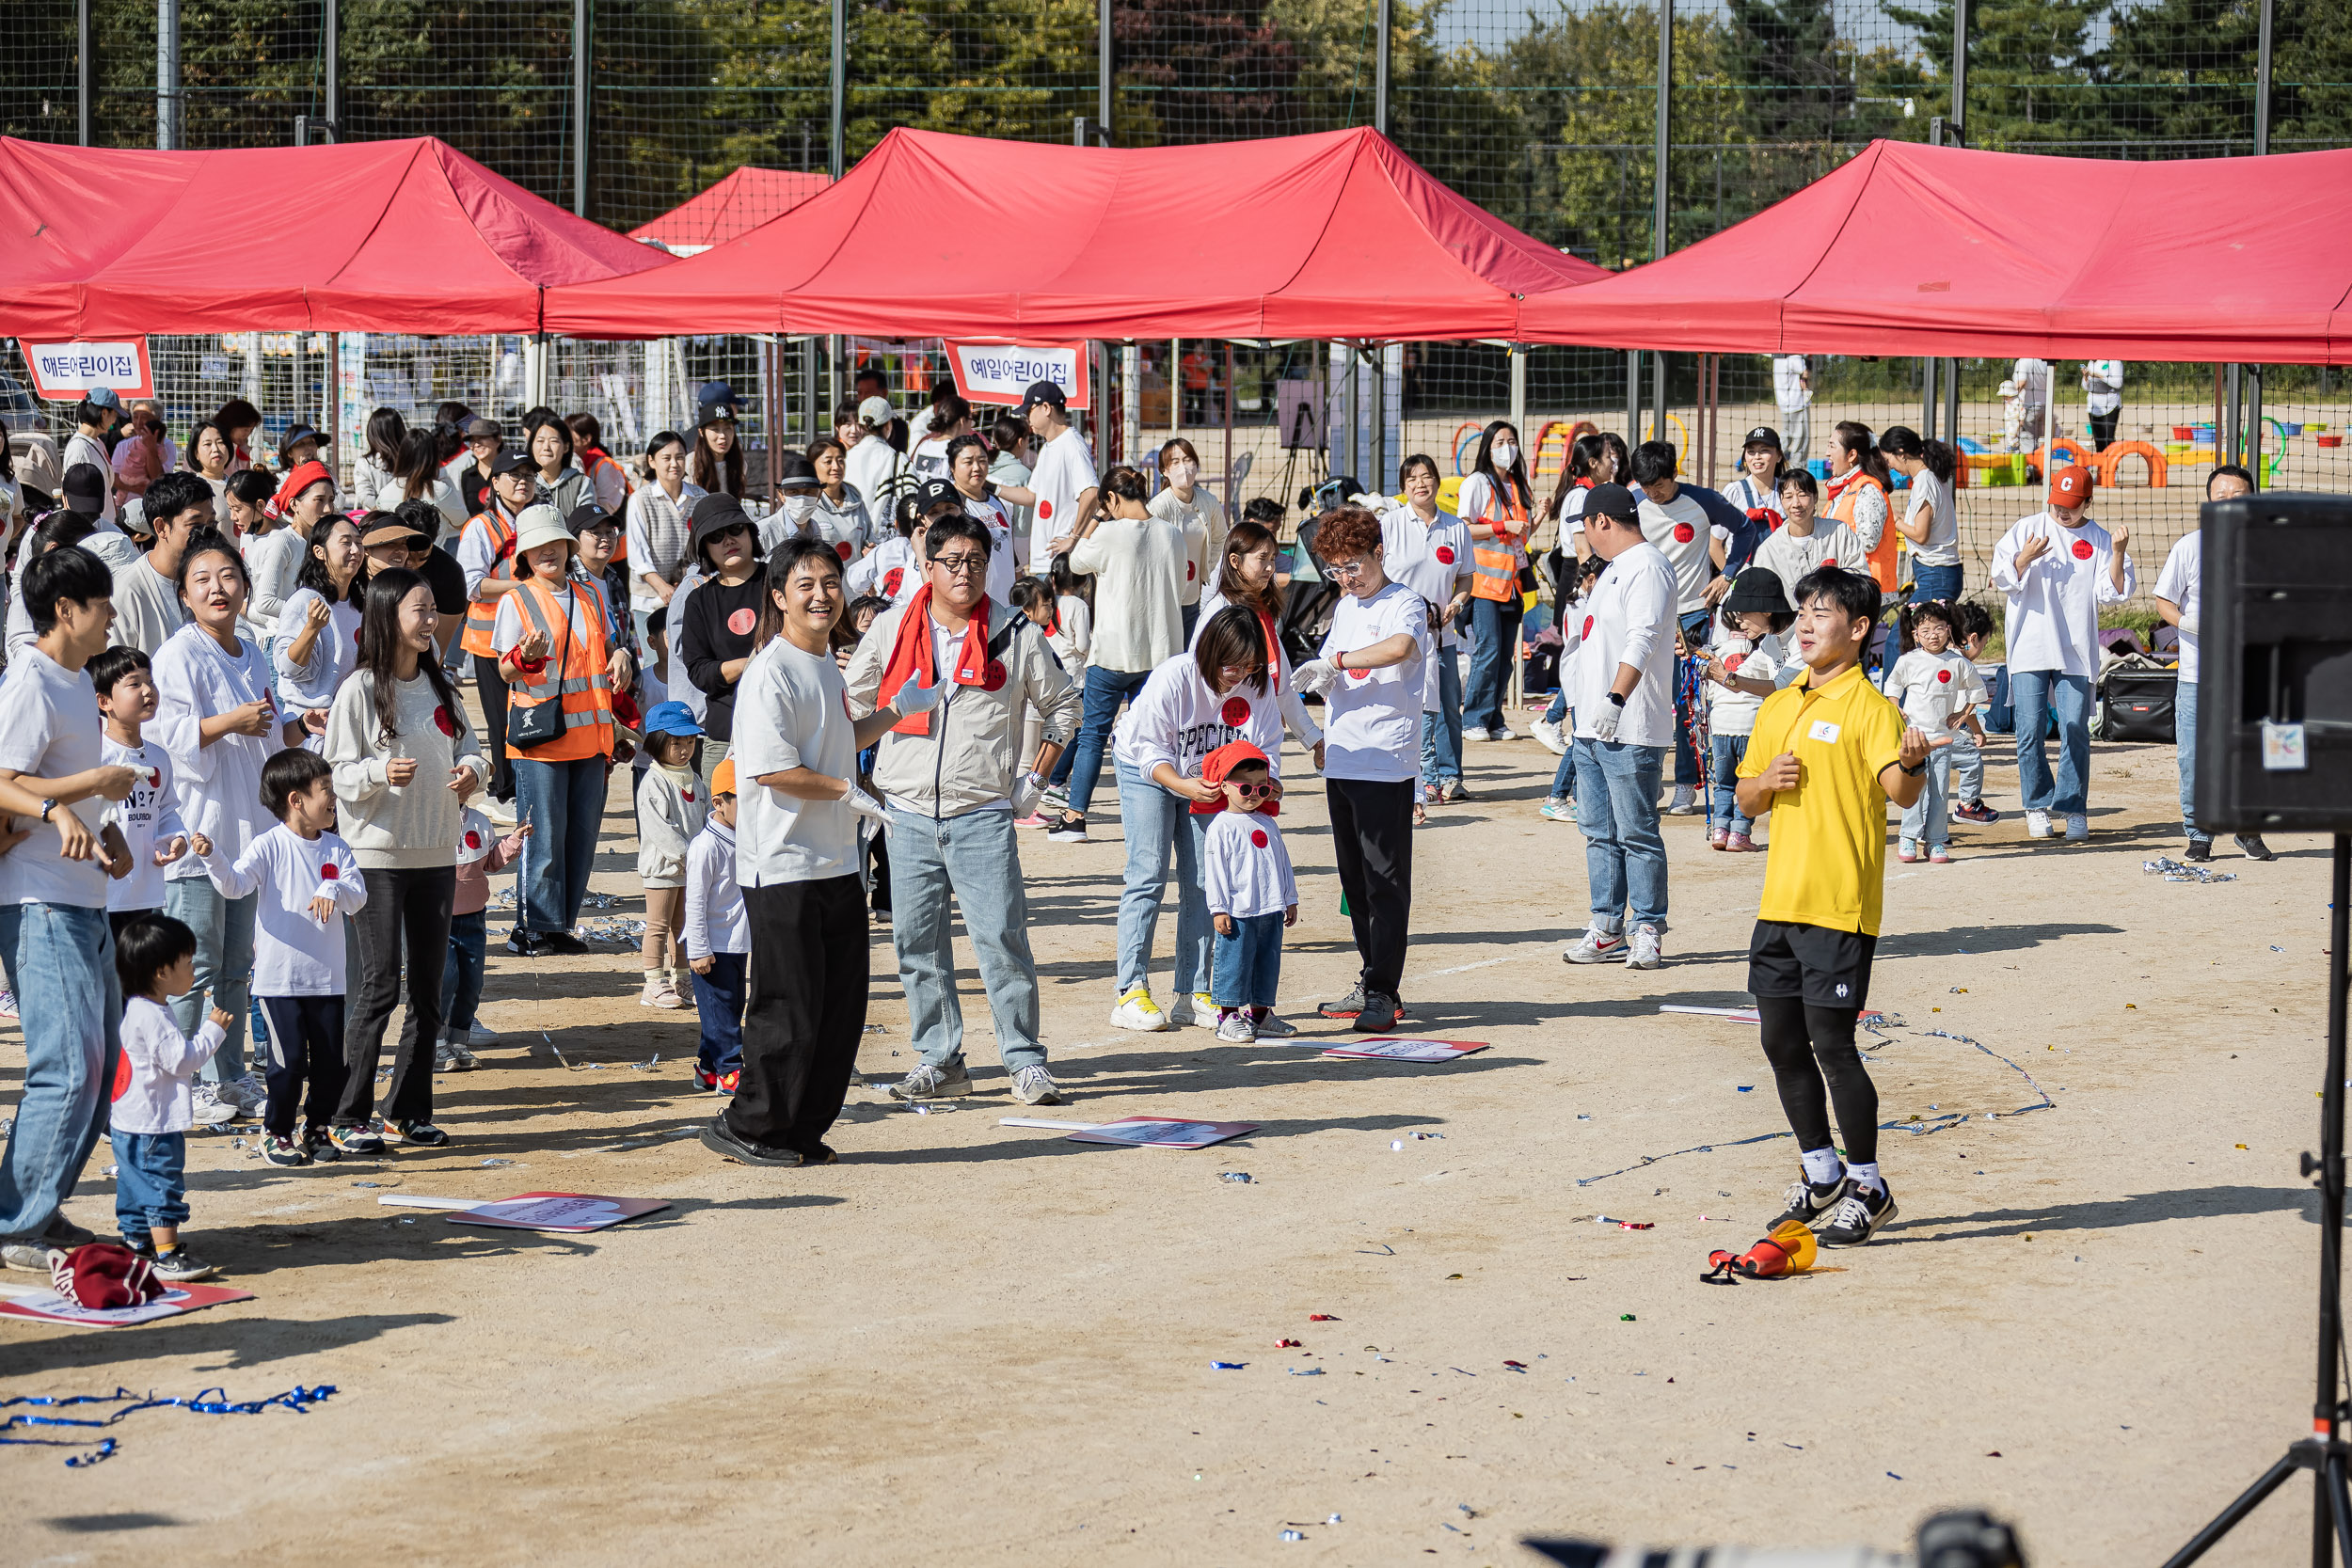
x=2254, y=423
x=1926, y=397
x=1130, y=403
x=2230, y=439
x=1951, y=403
x=1232, y=502
x=1658, y=403
x=1519, y=424
x=1392, y=415
x=1632, y=396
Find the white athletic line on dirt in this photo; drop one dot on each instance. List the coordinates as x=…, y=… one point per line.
x=1457, y=969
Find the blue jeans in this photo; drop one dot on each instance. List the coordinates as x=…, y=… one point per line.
x=1247, y=965
x=563, y=802
x=224, y=966
x=2185, y=749
x=1686, y=750
x=61, y=966
x=1723, y=752
x=1441, y=730
x=1156, y=823
x=1105, y=690
x=150, y=1182
x=1936, y=582
x=1967, y=768
x=973, y=859
x=1494, y=624
x=719, y=998
x=1558, y=711
x=461, y=976
x=1625, y=855
x=2036, y=692
x=1929, y=819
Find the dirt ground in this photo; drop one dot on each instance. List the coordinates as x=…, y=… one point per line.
x=972, y=1343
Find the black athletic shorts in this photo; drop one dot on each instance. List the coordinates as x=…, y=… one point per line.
x=1826, y=967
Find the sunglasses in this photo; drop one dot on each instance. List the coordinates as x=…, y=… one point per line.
x=1251, y=791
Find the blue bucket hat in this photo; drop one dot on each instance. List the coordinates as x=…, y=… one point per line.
x=673, y=718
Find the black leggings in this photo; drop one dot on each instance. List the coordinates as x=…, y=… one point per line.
x=1805, y=1045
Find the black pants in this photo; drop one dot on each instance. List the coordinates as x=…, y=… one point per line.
x=1807, y=1043
x=492, y=686
x=1372, y=839
x=2102, y=429
x=806, y=1013
x=305, y=1048
x=410, y=907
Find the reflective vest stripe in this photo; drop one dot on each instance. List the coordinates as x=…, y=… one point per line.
x=481, y=614
x=580, y=683
x=1495, y=562
x=1881, y=558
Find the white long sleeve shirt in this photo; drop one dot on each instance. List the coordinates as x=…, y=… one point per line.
x=2053, y=623
x=671, y=805
x=217, y=789
x=1177, y=719
x=715, y=919
x=1247, y=868
x=1629, y=619
x=295, y=953
x=148, y=817
x=155, y=1090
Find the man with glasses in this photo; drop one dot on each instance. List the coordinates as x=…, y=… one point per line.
x=961, y=670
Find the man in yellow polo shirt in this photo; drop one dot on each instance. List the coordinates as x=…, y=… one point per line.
x=1827, y=756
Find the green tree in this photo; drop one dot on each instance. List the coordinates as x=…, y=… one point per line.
x=2031, y=67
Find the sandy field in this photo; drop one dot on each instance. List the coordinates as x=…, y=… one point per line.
x=974, y=1344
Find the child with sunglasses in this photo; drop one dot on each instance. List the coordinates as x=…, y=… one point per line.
x=1251, y=892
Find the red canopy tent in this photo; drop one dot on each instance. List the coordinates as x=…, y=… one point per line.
x=1943, y=251
x=734, y=206
x=389, y=236
x=1335, y=236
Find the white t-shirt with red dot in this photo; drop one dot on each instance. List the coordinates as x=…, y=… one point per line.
x=1248, y=868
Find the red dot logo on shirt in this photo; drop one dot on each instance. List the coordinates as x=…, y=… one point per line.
x=1588, y=627
x=1734, y=662
x=688, y=795
x=1044, y=508
x=1257, y=836
x=1359, y=674
x=1945, y=676
x=331, y=872
x=842, y=549
x=1684, y=533
x=1445, y=555
x=1236, y=711
x=123, y=1075
x=890, y=580
x=473, y=839
x=1831, y=562
x=443, y=722
x=2082, y=549
x=154, y=777
x=743, y=621
x=992, y=677
x=1188, y=569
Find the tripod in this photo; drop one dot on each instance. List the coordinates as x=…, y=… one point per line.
x=2323, y=1453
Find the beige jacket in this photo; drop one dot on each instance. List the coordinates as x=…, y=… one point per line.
x=970, y=757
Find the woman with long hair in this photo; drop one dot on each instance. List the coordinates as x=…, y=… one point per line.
x=718, y=463
x=556, y=480
x=377, y=469
x=1497, y=505
x=315, y=646
x=1855, y=496
x=238, y=419
x=419, y=478
x=209, y=455
x=405, y=758
x=1931, y=521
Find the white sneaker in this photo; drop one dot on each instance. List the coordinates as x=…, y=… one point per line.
x=1647, y=949
x=210, y=1109
x=2037, y=824
x=499, y=812
x=1235, y=1028
x=482, y=1035
x=1549, y=733
x=657, y=994
x=1136, y=1011
x=1595, y=946
x=248, y=1093
x=2078, y=827
x=1502, y=732
x=1198, y=1008
x=1476, y=733
x=1034, y=1085
x=1686, y=802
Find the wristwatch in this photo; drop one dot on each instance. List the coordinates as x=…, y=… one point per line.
x=1911, y=771
x=46, y=807
x=1617, y=698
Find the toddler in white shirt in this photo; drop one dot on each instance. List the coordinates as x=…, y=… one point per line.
x=155, y=1098
x=1939, y=690
x=1252, y=895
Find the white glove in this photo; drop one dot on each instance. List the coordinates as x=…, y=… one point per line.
x=913, y=699
x=1315, y=676
x=1605, y=721
x=2188, y=625
x=1028, y=793
x=864, y=804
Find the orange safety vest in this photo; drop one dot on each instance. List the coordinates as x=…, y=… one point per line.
x=481, y=614
x=1881, y=558
x=573, y=673
x=1495, y=563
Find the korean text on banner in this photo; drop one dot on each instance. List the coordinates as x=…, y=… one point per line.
x=1001, y=372
x=66, y=373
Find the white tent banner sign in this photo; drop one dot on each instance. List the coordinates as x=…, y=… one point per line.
x=66, y=373
x=1003, y=372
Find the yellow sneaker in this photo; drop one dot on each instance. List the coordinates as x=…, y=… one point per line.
x=1136, y=1011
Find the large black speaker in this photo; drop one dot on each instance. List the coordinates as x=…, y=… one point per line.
x=2274, y=688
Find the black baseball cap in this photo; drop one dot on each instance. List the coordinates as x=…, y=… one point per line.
x=507, y=461
x=1762, y=436
x=1612, y=501
x=85, y=489
x=936, y=492
x=1046, y=392
x=585, y=517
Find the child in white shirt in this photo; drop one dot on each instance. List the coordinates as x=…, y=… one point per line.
x=671, y=805
x=480, y=852
x=718, y=940
x=309, y=881
x=154, y=1102
x=1746, y=663
x=1251, y=892
x=149, y=820
x=1938, y=689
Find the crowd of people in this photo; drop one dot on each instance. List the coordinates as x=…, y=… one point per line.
x=248, y=810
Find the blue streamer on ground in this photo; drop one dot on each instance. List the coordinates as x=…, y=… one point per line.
x=1918, y=1128
x=207, y=1401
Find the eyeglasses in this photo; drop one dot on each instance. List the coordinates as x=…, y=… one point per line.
x=1348, y=571
x=963, y=566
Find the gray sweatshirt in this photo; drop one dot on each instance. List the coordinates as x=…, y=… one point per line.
x=409, y=828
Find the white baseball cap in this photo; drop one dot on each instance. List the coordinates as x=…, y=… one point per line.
x=874, y=411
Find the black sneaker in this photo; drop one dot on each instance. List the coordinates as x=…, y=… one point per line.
x=355, y=1138
x=320, y=1146
x=526, y=944
x=423, y=1134
x=1349, y=1005
x=1068, y=827
x=1859, y=1215
x=1378, y=1015
x=63, y=1232
x=727, y=1144
x=284, y=1152
x=181, y=1267
x=1806, y=1203
x=2199, y=850
x=2253, y=847
x=563, y=944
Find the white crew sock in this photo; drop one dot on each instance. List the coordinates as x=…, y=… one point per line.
x=1868, y=1175
x=1822, y=1166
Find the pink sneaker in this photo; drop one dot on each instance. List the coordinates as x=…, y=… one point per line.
x=1939, y=856
x=1718, y=837
x=1032, y=820
x=1907, y=852
x=1740, y=844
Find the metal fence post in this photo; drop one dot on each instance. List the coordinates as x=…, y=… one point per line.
x=1632, y=396
x=1103, y=70
x=840, y=85
x=2254, y=417
x=583, y=75
x=1665, y=128
x=84, y=73
x=2261, y=86
x=168, y=76
x=1927, y=397
x=1380, y=66
x=330, y=52
x=1959, y=130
